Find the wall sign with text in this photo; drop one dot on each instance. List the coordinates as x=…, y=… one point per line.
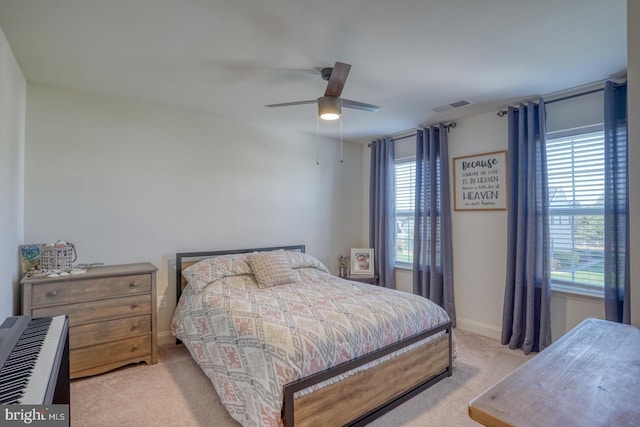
x=480, y=182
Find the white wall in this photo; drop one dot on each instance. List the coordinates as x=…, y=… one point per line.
x=633, y=102
x=479, y=237
x=129, y=182
x=13, y=93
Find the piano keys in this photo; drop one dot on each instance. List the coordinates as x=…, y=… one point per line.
x=34, y=360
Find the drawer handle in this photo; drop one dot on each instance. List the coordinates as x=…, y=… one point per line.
x=135, y=347
x=52, y=293
x=133, y=285
x=134, y=305
x=135, y=326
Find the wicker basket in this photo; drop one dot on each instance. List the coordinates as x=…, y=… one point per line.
x=57, y=257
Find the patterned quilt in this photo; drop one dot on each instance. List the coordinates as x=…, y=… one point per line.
x=251, y=341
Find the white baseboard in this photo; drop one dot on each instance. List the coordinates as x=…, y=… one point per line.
x=480, y=328
x=166, y=338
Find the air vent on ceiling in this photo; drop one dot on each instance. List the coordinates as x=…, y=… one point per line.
x=456, y=104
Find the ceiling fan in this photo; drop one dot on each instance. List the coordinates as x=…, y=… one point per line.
x=330, y=105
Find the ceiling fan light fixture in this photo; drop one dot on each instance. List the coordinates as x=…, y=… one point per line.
x=329, y=108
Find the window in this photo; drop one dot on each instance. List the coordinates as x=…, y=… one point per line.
x=575, y=161
x=405, y=206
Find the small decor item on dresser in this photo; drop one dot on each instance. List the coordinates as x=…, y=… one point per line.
x=29, y=258
x=57, y=256
x=343, y=264
x=362, y=262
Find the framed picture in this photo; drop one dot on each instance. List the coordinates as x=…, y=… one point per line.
x=480, y=182
x=362, y=262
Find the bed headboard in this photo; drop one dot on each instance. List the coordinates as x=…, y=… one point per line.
x=186, y=259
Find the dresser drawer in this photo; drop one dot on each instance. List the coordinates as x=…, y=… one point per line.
x=104, y=354
x=97, y=311
x=111, y=330
x=62, y=292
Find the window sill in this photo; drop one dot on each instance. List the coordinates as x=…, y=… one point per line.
x=556, y=288
x=594, y=294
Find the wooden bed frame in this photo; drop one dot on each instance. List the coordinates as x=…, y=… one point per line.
x=366, y=395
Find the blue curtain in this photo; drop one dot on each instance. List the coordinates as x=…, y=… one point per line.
x=432, y=247
x=616, y=204
x=382, y=211
x=526, y=322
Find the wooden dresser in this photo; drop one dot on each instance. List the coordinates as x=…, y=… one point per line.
x=112, y=314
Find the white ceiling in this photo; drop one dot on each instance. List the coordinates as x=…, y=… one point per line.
x=231, y=57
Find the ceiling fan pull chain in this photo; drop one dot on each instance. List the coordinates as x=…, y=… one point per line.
x=317, y=140
x=341, y=161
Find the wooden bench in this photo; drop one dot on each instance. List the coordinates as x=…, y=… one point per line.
x=589, y=377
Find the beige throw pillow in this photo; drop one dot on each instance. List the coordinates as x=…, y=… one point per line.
x=271, y=268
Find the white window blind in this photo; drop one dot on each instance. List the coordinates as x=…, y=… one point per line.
x=576, y=210
x=404, y=198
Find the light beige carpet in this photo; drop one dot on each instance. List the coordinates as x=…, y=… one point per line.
x=175, y=392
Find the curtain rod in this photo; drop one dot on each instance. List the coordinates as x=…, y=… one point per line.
x=503, y=112
x=403, y=137
x=575, y=95
x=447, y=127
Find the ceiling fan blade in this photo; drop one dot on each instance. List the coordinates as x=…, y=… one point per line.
x=347, y=103
x=337, y=79
x=288, y=104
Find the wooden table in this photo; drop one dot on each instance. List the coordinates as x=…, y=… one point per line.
x=589, y=377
